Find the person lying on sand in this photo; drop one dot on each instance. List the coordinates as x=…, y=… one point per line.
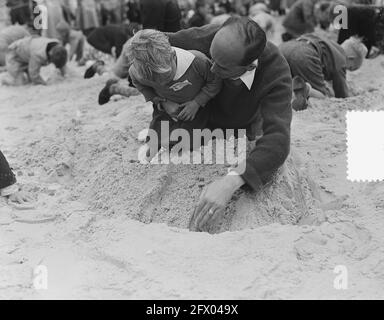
x=314, y=60
x=257, y=85
x=178, y=82
x=8, y=186
x=28, y=55
x=108, y=40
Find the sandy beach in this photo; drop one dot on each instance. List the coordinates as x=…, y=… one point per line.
x=108, y=227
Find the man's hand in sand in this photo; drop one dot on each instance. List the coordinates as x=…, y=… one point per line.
x=213, y=202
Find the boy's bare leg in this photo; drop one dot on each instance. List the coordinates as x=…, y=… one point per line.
x=112, y=87
x=123, y=90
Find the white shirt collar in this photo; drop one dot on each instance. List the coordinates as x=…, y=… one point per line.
x=248, y=77
x=184, y=61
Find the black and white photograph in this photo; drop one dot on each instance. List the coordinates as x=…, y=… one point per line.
x=191, y=150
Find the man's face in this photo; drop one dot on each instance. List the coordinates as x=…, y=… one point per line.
x=227, y=51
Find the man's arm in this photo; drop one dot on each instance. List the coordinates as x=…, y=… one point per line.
x=213, y=83
x=273, y=147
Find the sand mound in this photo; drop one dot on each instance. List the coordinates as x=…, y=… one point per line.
x=102, y=168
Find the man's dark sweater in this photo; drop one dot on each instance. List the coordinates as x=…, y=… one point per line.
x=236, y=107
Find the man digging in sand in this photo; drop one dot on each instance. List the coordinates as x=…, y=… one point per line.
x=257, y=85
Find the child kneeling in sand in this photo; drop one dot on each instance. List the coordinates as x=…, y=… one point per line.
x=28, y=55
x=178, y=82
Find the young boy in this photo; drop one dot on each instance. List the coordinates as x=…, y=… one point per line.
x=313, y=60
x=28, y=55
x=178, y=81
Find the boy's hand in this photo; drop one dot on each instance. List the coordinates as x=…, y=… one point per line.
x=157, y=102
x=189, y=111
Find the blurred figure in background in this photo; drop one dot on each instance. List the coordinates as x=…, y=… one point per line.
x=28, y=55
x=55, y=14
x=134, y=14
x=314, y=60
x=162, y=15
x=75, y=39
x=200, y=18
x=108, y=40
x=9, y=35
x=300, y=19
x=20, y=11
x=260, y=14
x=111, y=12
x=87, y=18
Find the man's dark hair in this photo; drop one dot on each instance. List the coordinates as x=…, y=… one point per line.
x=254, y=37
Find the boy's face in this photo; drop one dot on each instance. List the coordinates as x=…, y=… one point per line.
x=165, y=78
x=352, y=63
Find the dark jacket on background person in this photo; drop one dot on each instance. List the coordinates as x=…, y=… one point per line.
x=162, y=15
x=301, y=18
x=7, y=177
x=317, y=60
x=266, y=104
x=107, y=37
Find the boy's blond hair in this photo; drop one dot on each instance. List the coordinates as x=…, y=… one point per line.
x=150, y=53
x=354, y=47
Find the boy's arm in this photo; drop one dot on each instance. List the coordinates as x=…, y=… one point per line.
x=213, y=83
x=148, y=92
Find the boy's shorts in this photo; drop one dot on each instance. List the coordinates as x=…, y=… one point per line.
x=200, y=122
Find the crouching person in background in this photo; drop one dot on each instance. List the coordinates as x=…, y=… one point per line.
x=8, y=186
x=314, y=61
x=74, y=38
x=26, y=57
x=9, y=35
